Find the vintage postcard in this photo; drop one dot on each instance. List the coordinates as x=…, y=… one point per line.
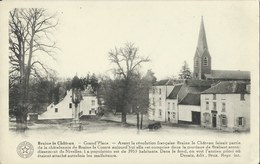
x=129, y=82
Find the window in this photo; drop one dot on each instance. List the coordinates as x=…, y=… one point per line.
x=153, y=112
x=214, y=106
x=223, y=120
x=92, y=102
x=223, y=107
x=160, y=101
x=214, y=97
x=173, y=114
x=173, y=106
x=241, y=121
x=56, y=110
x=206, y=117
x=207, y=105
x=205, y=61
x=153, y=91
x=160, y=91
x=168, y=106
x=153, y=101
x=89, y=112
x=160, y=112
x=242, y=96
x=70, y=105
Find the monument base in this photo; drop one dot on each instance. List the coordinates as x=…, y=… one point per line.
x=76, y=126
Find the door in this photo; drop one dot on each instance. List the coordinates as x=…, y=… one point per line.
x=214, y=120
x=196, y=118
x=169, y=119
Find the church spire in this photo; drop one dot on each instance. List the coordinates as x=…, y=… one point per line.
x=202, y=41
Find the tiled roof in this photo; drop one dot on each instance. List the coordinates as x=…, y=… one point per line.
x=191, y=99
x=161, y=82
x=167, y=82
x=193, y=86
x=175, y=91
x=198, y=83
x=228, y=87
x=228, y=75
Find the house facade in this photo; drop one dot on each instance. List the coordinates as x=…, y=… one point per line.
x=172, y=113
x=189, y=109
x=157, y=97
x=226, y=106
x=65, y=108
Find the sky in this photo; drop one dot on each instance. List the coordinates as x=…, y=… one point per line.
x=166, y=32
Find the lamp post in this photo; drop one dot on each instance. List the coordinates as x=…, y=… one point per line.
x=76, y=98
x=137, y=115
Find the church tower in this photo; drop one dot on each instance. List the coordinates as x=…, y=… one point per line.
x=202, y=58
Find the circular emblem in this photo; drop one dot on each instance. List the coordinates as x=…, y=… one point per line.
x=25, y=149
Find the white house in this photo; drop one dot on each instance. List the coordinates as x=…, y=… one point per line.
x=226, y=106
x=64, y=109
x=157, y=96
x=172, y=105
x=189, y=109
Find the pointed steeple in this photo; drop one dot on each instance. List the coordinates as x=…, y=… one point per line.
x=202, y=41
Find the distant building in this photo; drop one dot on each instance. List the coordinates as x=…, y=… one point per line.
x=226, y=106
x=182, y=103
x=172, y=105
x=157, y=97
x=203, y=67
x=64, y=109
x=189, y=100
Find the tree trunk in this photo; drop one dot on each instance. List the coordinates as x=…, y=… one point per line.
x=137, y=124
x=141, y=126
x=21, y=122
x=123, y=117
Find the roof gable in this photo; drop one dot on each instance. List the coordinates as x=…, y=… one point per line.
x=193, y=86
x=174, y=93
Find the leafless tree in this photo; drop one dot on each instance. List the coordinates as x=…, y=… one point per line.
x=30, y=39
x=127, y=63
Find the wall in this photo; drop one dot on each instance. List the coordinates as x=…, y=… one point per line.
x=185, y=112
x=64, y=110
x=165, y=91
x=173, y=108
x=86, y=106
x=234, y=108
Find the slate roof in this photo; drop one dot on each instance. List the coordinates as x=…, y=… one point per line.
x=193, y=86
x=228, y=75
x=198, y=83
x=167, y=82
x=202, y=40
x=161, y=82
x=174, y=93
x=191, y=99
x=228, y=87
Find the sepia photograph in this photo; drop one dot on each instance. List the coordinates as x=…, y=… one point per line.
x=111, y=80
